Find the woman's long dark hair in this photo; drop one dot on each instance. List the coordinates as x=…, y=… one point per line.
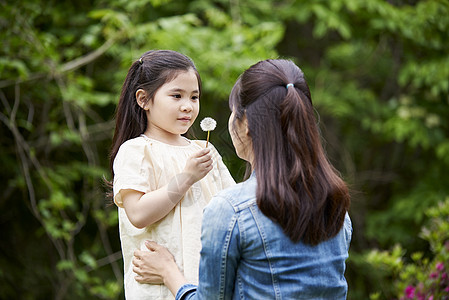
x=149, y=73
x=297, y=187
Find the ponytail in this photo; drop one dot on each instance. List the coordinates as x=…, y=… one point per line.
x=297, y=187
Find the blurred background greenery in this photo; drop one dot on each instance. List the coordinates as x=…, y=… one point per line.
x=379, y=76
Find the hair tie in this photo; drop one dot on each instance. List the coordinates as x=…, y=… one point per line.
x=141, y=61
x=289, y=85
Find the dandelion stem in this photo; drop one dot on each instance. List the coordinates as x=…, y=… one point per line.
x=207, y=141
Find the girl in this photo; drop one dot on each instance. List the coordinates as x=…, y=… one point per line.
x=284, y=233
x=162, y=180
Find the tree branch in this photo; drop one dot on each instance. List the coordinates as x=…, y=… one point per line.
x=69, y=66
x=84, y=60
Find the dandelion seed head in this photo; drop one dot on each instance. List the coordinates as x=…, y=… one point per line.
x=208, y=124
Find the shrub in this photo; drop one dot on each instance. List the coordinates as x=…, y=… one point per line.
x=419, y=276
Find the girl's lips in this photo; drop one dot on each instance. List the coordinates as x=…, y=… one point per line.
x=186, y=119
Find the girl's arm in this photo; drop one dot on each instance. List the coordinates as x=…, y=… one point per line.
x=144, y=209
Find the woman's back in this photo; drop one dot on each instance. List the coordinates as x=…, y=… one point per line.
x=250, y=257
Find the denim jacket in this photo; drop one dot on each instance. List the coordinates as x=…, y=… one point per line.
x=245, y=255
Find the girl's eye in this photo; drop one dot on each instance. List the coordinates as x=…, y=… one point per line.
x=178, y=96
x=195, y=98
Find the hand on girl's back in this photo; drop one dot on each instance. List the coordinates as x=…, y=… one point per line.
x=198, y=165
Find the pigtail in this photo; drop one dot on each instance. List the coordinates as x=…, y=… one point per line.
x=130, y=118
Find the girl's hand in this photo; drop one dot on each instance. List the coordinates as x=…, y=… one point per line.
x=151, y=265
x=198, y=165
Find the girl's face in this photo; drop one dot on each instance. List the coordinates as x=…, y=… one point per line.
x=174, y=108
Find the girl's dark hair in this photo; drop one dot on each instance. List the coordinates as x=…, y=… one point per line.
x=297, y=187
x=150, y=72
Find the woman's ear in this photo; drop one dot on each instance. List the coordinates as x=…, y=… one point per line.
x=141, y=97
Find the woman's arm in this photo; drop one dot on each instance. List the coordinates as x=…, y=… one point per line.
x=220, y=253
x=144, y=209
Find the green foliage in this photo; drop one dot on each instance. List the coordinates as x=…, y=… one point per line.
x=378, y=72
x=62, y=67
x=418, y=276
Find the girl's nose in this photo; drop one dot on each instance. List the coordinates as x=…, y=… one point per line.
x=186, y=106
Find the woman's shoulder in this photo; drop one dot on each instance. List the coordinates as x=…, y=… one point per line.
x=229, y=204
x=238, y=196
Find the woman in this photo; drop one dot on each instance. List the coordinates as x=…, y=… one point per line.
x=284, y=233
